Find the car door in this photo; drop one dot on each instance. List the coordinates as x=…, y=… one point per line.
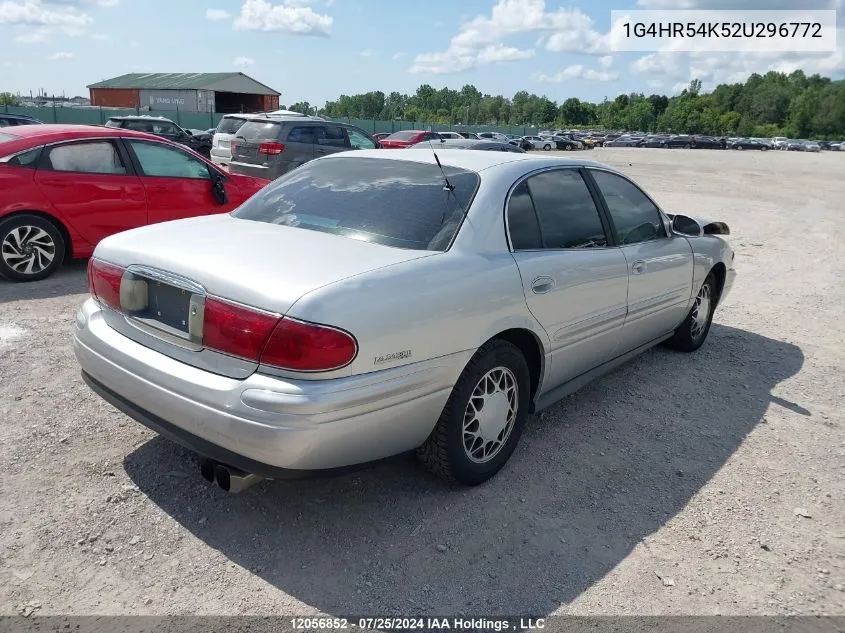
x=93, y=187
x=329, y=140
x=660, y=264
x=178, y=184
x=575, y=282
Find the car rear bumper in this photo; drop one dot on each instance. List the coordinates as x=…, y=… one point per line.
x=220, y=156
x=258, y=171
x=267, y=425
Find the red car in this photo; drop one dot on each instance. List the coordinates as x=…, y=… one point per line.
x=63, y=188
x=406, y=138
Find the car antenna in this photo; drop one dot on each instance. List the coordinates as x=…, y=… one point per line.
x=448, y=186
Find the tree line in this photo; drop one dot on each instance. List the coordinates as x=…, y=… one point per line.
x=774, y=104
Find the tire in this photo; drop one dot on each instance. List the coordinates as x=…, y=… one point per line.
x=29, y=241
x=691, y=334
x=764, y=149
x=687, y=146
x=547, y=147
x=444, y=453
x=739, y=147
x=568, y=147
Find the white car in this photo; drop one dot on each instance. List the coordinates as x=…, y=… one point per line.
x=779, y=142
x=538, y=142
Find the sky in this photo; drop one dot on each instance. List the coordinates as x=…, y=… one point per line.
x=316, y=50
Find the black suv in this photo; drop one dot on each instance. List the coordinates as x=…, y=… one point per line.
x=7, y=119
x=165, y=128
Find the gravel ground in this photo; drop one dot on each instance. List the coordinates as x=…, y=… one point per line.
x=679, y=484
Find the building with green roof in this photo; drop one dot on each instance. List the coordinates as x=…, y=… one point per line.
x=185, y=92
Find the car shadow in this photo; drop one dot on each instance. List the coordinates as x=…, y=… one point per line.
x=69, y=279
x=590, y=479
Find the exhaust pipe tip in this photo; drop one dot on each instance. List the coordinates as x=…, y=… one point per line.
x=233, y=480
x=207, y=470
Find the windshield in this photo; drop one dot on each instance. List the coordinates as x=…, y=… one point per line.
x=403, y=136
x=391, y=202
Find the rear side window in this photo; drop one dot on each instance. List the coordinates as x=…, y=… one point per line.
x=27, y=159
x=566, y=210
x=523, y=227
x=93, y=157
x=302, y=134
x=259, y=131
x=403, y=136
x=230, y=125
x=7, y=137
x=331, y=135
x=396, y=203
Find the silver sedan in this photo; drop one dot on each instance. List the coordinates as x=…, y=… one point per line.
x=371, y=303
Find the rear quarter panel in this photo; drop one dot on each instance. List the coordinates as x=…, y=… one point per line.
x=423, y=309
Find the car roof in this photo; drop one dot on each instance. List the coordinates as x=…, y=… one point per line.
x=472, y=161
x=139, y=117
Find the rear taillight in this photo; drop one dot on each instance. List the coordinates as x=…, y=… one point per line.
x=104, y=282
x=276, y=341
x=273, y=149
x=236, y=330
x=300, y=346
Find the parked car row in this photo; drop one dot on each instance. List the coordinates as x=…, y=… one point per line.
x=690, y=141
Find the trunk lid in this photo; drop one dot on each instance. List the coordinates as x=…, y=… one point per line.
x=262, y=265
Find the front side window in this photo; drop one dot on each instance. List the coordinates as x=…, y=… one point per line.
x=157, y=159
x=395, y=203
x=95, y=157
x=358, y=140
x=635, y=218
x=566, y=210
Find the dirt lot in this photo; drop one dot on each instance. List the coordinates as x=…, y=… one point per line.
x=673, y=486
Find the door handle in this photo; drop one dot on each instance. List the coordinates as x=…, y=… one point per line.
x=542, y=285
x=638, y=268
x=57, y=183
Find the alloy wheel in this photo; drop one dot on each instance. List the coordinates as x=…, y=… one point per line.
x=28, y=249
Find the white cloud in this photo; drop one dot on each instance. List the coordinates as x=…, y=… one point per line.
x=367, y=52
x=35, y=13
x=289, y=17
x=655, y=83
x=243, y=61
x=480, y=40
x=215, y=15
x=578, y=71
x=35, y=37
x=91, y=3
x=399, y=55
x=606, y=61
x=61, y=55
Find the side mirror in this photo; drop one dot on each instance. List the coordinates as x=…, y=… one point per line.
x=685, y=225
x=218, y=189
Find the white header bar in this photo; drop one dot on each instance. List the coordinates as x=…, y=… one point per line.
x=724, y=31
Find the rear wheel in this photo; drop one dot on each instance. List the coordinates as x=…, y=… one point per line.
x=547, y=147
x=31, y=248
x=569, y=147
x=483, y=419
x=692, y=333
x=764, y=148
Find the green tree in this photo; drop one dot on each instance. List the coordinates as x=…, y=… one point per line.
x=7, y=98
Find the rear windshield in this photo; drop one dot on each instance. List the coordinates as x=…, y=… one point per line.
x=259, y=131
x=403, y=136
x=230, y=125
x=391, y=202
x=7, y=137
